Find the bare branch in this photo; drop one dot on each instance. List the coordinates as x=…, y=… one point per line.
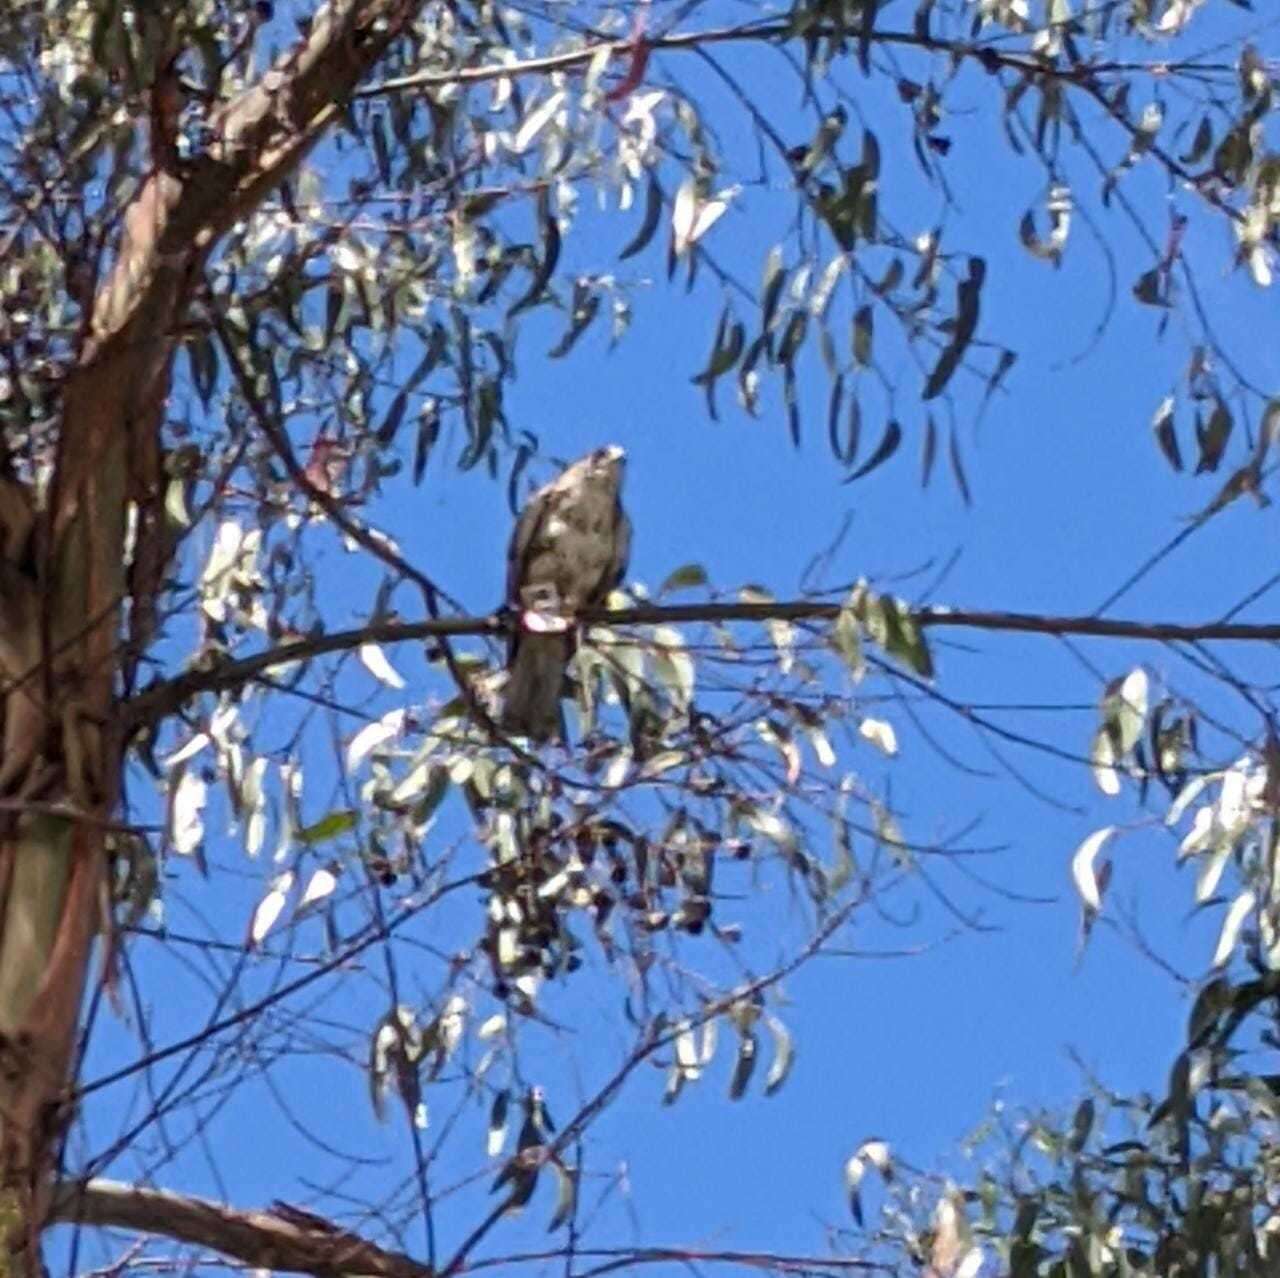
x=989, y=55
x=164, y=698
x=283, y=1239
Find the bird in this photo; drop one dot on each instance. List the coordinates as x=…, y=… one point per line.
x=569, y=549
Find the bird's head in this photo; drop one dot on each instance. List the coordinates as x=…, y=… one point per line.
x=609, y=461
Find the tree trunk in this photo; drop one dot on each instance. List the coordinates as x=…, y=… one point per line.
x=66, y=653
x=62, y=589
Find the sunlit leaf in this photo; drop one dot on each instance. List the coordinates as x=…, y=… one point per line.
x=375, y=661
x=1238, y=911
x=693, y=214
x=1166, y=436
x=871, y=1154
x=320, y=887
x=270, y=908
x=566, y=1195
x=1083, y=871
x=186, y=813
x=496, y=1136
x=536, y=121
x=783, y=1055
x=1103, y=759
x=372, y=735
x=881, y=735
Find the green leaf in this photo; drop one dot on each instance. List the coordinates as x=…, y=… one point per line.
x=748, y=378
x=957, y=466
x=1234, y=155
x=428, y=433
x=652, y=215
x=586, y=303
x=870, y=155
x=830, y=127
x=793, y=336
x=496, y=1137
x=549, y=228
x=328, y=827
x=791, y=401
x=566, y=1195
x=203, y=355
x=886, y=448
x=1006, y=361
x=891, y=278
x=729, y=340
x=686, y=577
x=904, y=639
x=968, y=295
x=1201, y=143
x=1212, y=438
x=1147, y=288
x=847, y=633
x=175, y=503
x=863, y=328
x=1081, y=1125
x=771, y=286
x=395, y=415
x=928, y=450
x=784, y=1055
x=744, y=1065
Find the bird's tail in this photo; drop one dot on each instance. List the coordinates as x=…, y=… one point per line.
x=536, y=676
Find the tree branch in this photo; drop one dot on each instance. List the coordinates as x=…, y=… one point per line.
x=613, y=1258
x=283, y=1239
x=165, y=698
x=292, y=1241
x=989, y=55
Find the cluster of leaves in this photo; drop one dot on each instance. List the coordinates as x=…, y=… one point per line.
x=680, y=799
x=1233, y=810
x=1125, y=1188
x=1070, y=76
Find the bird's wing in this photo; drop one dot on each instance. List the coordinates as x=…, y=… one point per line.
x=523, y=537
x=621, y=548
x=616, y=568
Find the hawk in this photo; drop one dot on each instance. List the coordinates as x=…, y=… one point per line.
x=568, y=550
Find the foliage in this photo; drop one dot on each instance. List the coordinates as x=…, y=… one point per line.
x=337, y=251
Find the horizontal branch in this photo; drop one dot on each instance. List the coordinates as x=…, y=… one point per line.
x=282, y=1239
x=291, y=1241
x=164, y=698
x=989, y=55
x=622, y=1258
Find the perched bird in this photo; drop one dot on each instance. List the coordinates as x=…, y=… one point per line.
x=568, y=550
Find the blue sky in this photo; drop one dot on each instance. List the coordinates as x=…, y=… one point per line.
x=1070, y=494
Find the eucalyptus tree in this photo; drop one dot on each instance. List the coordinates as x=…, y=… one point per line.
x=262, y=270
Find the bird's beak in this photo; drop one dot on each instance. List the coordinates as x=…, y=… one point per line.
x=614, y=454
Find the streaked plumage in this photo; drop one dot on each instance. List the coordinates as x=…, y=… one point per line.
x=568, y=550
